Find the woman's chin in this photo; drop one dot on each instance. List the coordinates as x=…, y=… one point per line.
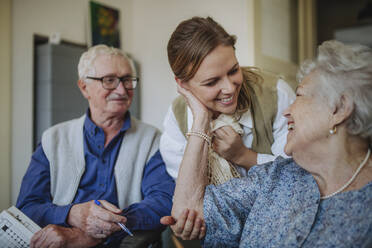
x=228, y=110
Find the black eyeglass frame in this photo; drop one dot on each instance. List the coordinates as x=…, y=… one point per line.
x=134, y=81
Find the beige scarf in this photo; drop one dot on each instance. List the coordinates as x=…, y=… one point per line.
x=219, y=169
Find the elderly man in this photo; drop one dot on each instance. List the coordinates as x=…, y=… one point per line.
x=89, y=174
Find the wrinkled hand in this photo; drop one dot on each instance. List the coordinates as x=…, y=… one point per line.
x=199, y=110
x=96, y=221
x=58, y=236
x=189, y=226
x=228, y=144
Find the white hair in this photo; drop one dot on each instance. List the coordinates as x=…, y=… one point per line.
x=345, y=70
x=86, y=67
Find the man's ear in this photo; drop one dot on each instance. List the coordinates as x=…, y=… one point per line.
x=83, y=88
x=181, y=83
x=343, y=110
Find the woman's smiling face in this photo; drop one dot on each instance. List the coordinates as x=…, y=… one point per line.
x=218, y=81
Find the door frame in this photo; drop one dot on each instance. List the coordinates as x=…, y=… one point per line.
x=306, y=40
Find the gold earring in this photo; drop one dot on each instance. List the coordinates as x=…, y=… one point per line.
x=333, y=130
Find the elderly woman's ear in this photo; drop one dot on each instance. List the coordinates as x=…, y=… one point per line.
x=342, y=110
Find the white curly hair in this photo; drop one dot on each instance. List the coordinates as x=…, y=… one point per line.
x=345, y=69
x=85, y=66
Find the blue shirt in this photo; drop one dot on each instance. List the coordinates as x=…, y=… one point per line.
x=98, y=182
x=279, y=205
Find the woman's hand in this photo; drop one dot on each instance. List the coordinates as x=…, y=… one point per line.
x=189, y=226
x=229, y=145
x=199, y=111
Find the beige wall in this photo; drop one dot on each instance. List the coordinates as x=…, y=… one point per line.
x=153, y=23
x=284, y=35
x=5, y=93
x=146, y=27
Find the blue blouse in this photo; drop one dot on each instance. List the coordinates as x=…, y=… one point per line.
x=278, y=205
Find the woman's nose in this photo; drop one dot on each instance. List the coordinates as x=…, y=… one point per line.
x=228, y=85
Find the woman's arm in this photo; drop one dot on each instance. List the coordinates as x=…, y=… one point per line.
x=192, y=178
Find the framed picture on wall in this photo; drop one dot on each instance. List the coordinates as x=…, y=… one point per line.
x=103, y=25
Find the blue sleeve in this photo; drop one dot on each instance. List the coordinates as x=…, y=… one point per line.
x=35, y=199
x=157, y=190
x=226, y=208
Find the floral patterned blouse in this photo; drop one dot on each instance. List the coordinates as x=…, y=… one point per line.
x=278, y=205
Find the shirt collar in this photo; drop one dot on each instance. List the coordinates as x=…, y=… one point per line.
x=92, y=128
x=246, y=119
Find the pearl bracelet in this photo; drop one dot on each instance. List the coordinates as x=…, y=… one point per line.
x=202, y=135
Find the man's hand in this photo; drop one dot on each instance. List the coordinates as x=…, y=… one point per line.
x=58, y=236
x=189, y=226
x=96, y=221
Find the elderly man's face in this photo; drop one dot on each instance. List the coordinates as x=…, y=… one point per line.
x=103, y=101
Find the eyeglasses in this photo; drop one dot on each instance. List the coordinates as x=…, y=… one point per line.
x=111, y=82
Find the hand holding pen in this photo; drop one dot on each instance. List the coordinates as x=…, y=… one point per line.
x=122, y=226
x=98, y=221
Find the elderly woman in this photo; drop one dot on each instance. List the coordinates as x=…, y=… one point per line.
x=322, y=197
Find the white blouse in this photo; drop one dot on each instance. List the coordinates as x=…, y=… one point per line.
x=173, y=142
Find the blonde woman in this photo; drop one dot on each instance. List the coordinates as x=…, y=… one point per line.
x=245, y=104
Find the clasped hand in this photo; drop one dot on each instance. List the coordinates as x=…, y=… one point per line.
x=228, y=144
x=188, y=226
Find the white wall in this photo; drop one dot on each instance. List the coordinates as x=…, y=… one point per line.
x=146, y=27
x=153, y=23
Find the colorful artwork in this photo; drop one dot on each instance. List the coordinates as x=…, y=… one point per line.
x=104, y=25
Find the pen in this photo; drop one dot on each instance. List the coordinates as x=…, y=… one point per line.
x=120, y=224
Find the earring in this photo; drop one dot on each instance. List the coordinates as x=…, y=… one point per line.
x=333, y=130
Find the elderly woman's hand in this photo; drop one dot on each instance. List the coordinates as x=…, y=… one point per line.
x=189, y=225
x=229, y=145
